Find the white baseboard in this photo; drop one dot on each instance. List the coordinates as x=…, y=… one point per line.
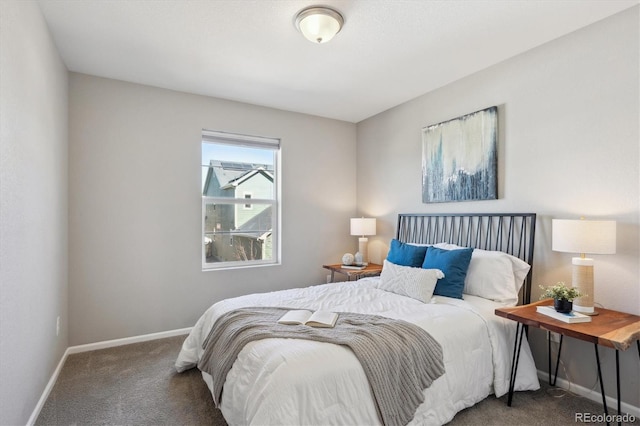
x=92, y=347
x=593, y=395
x=126, y=341
x=47, y=390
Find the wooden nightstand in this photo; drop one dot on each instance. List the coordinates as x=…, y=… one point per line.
x=371, y=270
x=617, y=330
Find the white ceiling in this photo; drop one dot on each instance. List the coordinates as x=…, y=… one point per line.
x=388, y=52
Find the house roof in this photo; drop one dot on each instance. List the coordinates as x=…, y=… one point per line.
x=230, y=174
x=248, y=175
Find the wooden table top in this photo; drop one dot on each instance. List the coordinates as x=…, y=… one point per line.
x=371, y=267
x=609, y=328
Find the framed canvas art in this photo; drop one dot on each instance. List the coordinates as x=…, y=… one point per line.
x=459, y=158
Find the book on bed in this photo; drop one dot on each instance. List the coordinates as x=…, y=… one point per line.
x=312, y=319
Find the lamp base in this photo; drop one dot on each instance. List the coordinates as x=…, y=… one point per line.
x=582, y=279
x=363, y=249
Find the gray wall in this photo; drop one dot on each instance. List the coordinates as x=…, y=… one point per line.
x=135, y=205
x=568, y=118
x=33, y=208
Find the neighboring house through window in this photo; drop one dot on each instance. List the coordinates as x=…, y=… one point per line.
x=237, y=168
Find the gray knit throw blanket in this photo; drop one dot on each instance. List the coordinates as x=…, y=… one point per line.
x=400, y=359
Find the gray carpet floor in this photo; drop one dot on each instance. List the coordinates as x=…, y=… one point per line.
x=137, y=385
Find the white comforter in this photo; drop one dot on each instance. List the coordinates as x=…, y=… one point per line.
x=294, y=382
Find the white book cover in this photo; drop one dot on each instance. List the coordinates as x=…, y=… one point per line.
x=354, y=266
x=570, y=317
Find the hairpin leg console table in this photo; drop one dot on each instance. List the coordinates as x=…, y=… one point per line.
x=617, y=330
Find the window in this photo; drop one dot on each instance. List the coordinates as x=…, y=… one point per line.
x=247, y=196
x=237, y=168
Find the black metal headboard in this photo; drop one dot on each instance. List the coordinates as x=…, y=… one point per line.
x=512, y=233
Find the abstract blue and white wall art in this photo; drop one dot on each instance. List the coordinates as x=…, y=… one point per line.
x=459, y=158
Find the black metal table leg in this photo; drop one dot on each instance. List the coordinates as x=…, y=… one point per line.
x=514, y=362
x=555, y=376
x=618, y=384
x=549, y=354
x=604, y=398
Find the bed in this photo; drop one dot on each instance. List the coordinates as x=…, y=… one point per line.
x=293, y=381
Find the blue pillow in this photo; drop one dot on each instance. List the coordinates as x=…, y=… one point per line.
x=454, y=264
x=406, y=254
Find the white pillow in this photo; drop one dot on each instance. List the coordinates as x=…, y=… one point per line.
x=416, y=283
x=496, y=276
x=493, y=275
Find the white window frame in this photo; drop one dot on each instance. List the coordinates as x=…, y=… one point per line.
x=217, y=137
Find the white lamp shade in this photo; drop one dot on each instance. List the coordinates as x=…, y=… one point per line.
x=319, y=24
x=584, y=236
x=363, y=226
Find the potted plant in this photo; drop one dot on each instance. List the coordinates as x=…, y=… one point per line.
x=562, y=296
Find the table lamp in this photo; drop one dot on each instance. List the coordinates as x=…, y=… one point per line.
x=584, y=237
x=363, y=226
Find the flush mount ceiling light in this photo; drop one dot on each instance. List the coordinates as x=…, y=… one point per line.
x=319, y=24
